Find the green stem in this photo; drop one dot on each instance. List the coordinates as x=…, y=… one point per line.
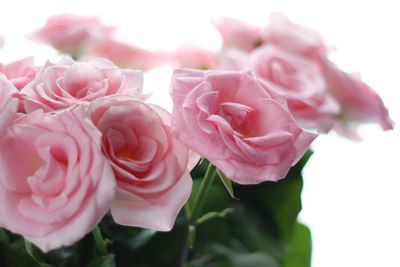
x=101, y=243
x=201, y=194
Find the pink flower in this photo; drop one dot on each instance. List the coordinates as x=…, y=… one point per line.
x=294, y=38
x=194, y=57
x=71, y=33
x=234, y=59
x=55, y=183
x=67, y=83
x=300, y=81
x=1, y=41
x=237, y=123
x=237, y=34
x=19, y=72
x=359, y=103
x=149, y=163
x=8, y=103
x=125, y=55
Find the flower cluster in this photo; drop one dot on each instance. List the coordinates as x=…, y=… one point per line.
x=78, y=138
x=293, y=60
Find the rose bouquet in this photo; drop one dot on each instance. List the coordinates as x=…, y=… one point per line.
x=94, y=174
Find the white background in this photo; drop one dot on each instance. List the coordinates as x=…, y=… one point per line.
x=351, y=195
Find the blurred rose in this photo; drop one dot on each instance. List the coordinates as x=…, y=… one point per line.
x=149, y=163
x=71, y=34
x=67, y=83
x=194, y=57
x=300, y=81
x=1, y=41
x=8, y=103
x=128, y=56
x=237, y=34
x=292, y=37
x=19, y=72
x=359, y=103
x=234, y=59
x=55, y=183
x=237, y=123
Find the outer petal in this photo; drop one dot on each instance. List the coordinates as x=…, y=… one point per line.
x=359, y=103
x=294, y=38
x=8, y=103
x=158, y=214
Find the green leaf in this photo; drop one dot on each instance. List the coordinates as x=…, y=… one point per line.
x=141, y=239
x=104, y=261
x=3, y=236
x=36, y=254
x=300, y=247
x=227, y=183
x=240, y=259
x=302, y=162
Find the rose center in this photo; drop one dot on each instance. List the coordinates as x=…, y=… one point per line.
x=237, y=115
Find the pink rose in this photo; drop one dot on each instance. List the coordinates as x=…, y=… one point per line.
x=71, y=33
x=358, y=102
x=19, y=72
x=67, y=83
x=237, y=34
x=55, y=183
x=194, y=57
x=238, y=123
x=150, y=165
x=125, y=55
x=1, y=41
x=300, y=81
x=8, y=103
x=294, y=38
x=234, y=59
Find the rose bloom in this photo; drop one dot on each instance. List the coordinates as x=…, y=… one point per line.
x=19, y=72
x=71, y=34
x=238, y=34
x=300, y=81
x=359, y=103
x=194, y=57
x=8, y=103
x=292, y=37
x=238, y=123
x=234, y=59
x=1, y=41
x=55, y=183
x=150, y=165
x=67, y=83
x=126, y=55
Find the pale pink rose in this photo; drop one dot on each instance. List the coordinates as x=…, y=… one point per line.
x=126, y=55
x=238, y=34
x=359, y=103
x=19, y=72
x=55, y=183
x=71, y=34
x=150, y=165
x=234, y=59
x=8, y=103
x=292, y=37
x=67, y=83
x=1, y=41
x=237, y=123
x=194, y=57
x=300, y=81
